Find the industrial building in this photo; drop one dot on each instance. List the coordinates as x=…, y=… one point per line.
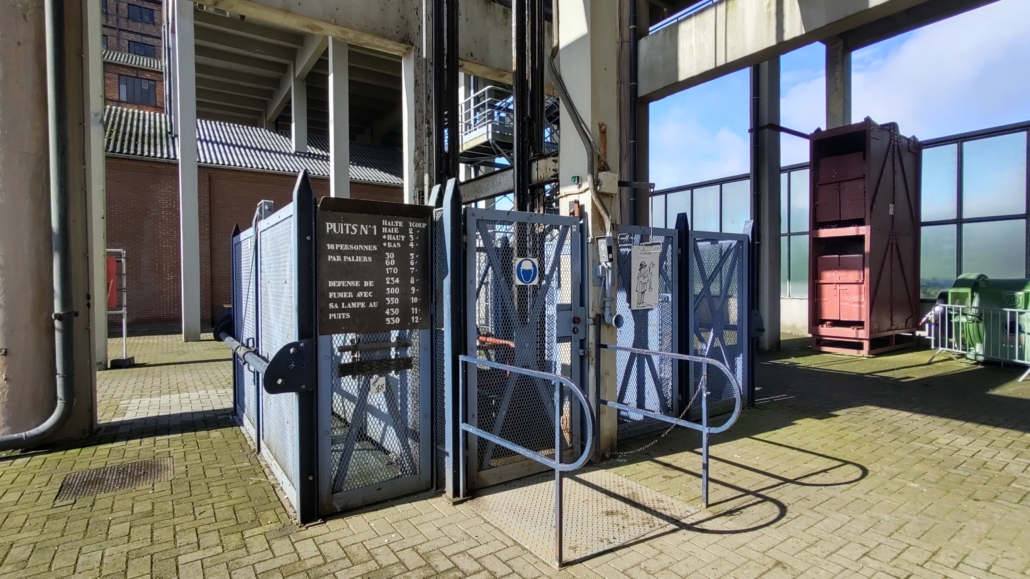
x=405, y=263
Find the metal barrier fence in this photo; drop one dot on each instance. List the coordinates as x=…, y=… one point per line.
x=996, y=334
x=700, y=391
x=560, y=402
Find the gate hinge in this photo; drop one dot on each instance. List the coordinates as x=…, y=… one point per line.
x=292, y=368
x=757, y=324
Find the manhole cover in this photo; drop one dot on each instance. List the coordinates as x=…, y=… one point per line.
x=109, y=479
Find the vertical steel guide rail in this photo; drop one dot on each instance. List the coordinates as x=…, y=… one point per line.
x=703, y=428
x=556, y=464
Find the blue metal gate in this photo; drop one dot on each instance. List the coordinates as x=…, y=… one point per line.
x=523, y=276
x=647, y=382
x=719, y=323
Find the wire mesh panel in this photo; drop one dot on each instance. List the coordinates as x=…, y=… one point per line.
x=522, y=274
x=646, y=382
x=245, y=326
x=718, y=288
x=276, y=327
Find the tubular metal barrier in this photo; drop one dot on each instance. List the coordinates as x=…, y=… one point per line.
x=703, y=428
x=980, y=334
x=556, y=464
x=246, y=355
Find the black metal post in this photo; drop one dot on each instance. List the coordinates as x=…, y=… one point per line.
x=307, y=402
x=522, y=130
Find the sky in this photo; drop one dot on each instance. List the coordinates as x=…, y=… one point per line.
x=969, y=72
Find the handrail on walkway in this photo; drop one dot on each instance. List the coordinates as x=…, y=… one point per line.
x=556, y=464
x=703, y=428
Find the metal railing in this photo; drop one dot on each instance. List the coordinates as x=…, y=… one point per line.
x=493, y=108
x=556, y=464
x=703, y=428
x=995, y=334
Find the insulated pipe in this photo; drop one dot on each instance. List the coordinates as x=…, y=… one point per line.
x=64, y=317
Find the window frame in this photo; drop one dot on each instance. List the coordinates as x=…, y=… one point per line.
x=137, y=43
x=141, y=10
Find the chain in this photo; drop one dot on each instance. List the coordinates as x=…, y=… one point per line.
x=667, y=430
x=662, y=435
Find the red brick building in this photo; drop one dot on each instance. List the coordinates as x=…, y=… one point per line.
x=239, y=166
x=133, y=54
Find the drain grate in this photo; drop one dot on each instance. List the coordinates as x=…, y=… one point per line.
x=118, y=477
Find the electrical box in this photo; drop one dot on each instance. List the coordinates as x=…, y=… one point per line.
x=864, y=238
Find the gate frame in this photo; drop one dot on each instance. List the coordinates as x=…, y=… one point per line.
x=744, y=330
x=471, y=216
x=647, y=424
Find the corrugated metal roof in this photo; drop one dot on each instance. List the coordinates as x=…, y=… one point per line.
x=127, y=59
x=146, y=134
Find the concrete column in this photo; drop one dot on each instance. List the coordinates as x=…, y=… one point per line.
x=27, y=383
x=413, y=127
x=299, y=113
x=588, y=34
x=838, y=83
x=189, y=205
x=339, y=119
x=95, y=176
x=765, y=183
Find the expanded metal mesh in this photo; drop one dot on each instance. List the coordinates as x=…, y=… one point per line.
x=646, y=382
x=277, y=327
x=375, y=414
x=717, y=292
x=518, y=325
x=245, y=321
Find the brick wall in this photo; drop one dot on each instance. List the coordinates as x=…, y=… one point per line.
x=119, y=30
x=111, y=74
x=143, y=219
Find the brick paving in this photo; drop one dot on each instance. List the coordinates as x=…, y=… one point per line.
x=874, y=468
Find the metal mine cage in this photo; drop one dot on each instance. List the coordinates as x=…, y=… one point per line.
x=522, y=280
x=647, y=382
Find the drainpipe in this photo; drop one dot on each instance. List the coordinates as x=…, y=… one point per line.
x=632, y=177
x=64, y=317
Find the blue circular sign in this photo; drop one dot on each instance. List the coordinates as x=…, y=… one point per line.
x=526, y=271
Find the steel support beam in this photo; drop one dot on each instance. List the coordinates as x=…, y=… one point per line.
x=765, y=204
x=299, y=115
x=838, y=83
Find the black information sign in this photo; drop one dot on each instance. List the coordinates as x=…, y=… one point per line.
x=373, y=269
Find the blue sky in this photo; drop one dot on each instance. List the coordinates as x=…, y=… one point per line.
x=965, y=73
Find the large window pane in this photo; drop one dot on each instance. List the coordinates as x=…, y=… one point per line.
x=997, y=249
x=940, y=183
x=736, y=205
x=676, y=203
x=706, y=209
x=784, y=202
x=658, y=211
x=784, y=266
x=799, y=266
x=799, y=201
x=938, y=260
x=994, y=176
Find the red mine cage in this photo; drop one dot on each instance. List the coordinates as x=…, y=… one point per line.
x=864, y=238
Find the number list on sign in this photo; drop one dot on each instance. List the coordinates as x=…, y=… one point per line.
x=372, y=273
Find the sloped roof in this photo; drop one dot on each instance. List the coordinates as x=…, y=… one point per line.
x=135, y=60
x=146, y=134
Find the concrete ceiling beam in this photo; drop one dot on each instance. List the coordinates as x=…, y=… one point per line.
x=216, y=56
x=208, y=95
x=233, y=88
x=204, y=19
x=244, y=45
x=238, y=78
x=306, y=58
